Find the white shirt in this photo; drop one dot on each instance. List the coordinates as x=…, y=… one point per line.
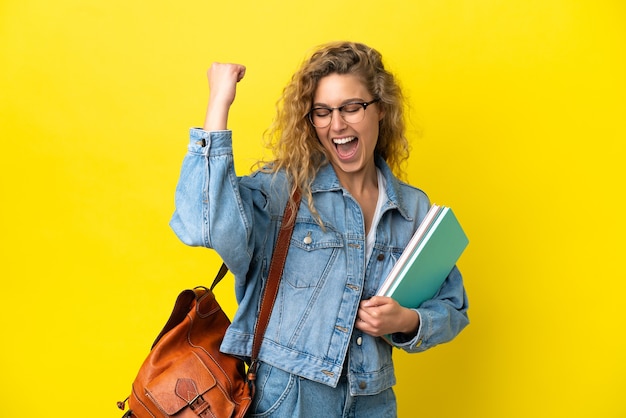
x=371, y=235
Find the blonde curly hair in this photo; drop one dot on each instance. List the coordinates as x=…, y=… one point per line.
x=292, y=139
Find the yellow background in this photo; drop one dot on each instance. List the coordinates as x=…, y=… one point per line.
x=521, y=108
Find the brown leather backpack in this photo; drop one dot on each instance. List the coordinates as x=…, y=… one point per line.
x=185, y=374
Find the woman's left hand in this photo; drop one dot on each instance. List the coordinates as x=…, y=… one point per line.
x=382, y=315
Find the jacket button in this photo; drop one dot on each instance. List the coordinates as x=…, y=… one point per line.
x=359, y=340
x=362, y=385
x=380, y=257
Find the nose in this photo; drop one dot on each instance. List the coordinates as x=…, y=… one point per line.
x=337, y=123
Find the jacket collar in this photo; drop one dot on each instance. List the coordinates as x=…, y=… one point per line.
x=326, y=180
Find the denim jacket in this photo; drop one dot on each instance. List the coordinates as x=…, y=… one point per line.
x=311, y=330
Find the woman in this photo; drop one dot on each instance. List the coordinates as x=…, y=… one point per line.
x=338, y=134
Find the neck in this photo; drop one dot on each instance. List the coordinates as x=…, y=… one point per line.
x=360, y=183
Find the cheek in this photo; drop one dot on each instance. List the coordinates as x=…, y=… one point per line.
x=321, y=134
x=373, y=130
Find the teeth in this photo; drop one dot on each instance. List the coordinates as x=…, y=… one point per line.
x=340, y=141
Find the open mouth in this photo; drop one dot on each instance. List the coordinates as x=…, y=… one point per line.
x=346, y=147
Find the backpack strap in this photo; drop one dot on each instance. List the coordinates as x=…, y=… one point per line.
x=273, y=280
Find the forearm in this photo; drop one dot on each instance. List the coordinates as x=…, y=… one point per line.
x=210, y=209
x=207, y=196
x=208, y=185
x=216, y=118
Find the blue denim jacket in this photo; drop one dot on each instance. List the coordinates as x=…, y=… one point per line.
x=311, y=330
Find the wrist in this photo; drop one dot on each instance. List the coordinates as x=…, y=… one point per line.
x=411, y=323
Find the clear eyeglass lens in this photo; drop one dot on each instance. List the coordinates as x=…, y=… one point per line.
x=351, y=113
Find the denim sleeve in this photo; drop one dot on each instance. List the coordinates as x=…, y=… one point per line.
x=441, y=318
x=209, y=210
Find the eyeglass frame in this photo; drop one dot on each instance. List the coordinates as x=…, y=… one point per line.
x=340, y=109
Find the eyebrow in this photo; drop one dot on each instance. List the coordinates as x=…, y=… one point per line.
x=345, y=102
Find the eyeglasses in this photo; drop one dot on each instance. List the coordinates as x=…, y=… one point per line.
x=352, y=112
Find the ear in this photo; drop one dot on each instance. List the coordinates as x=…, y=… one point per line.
x=381, y=113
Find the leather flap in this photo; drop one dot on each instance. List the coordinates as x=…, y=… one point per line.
x=180, y=384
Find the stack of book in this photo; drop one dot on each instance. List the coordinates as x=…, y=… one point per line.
x=427, y=259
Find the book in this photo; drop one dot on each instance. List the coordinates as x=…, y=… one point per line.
x=428, y=258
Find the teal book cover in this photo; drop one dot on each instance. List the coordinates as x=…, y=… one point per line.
x=430, y=258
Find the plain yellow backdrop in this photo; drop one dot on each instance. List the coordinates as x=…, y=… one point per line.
x=517, y=114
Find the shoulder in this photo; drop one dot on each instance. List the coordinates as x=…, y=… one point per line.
x=409, y=190
x=409, y=199
x=269, y=189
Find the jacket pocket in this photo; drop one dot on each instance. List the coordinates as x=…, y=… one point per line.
x=311, y=254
